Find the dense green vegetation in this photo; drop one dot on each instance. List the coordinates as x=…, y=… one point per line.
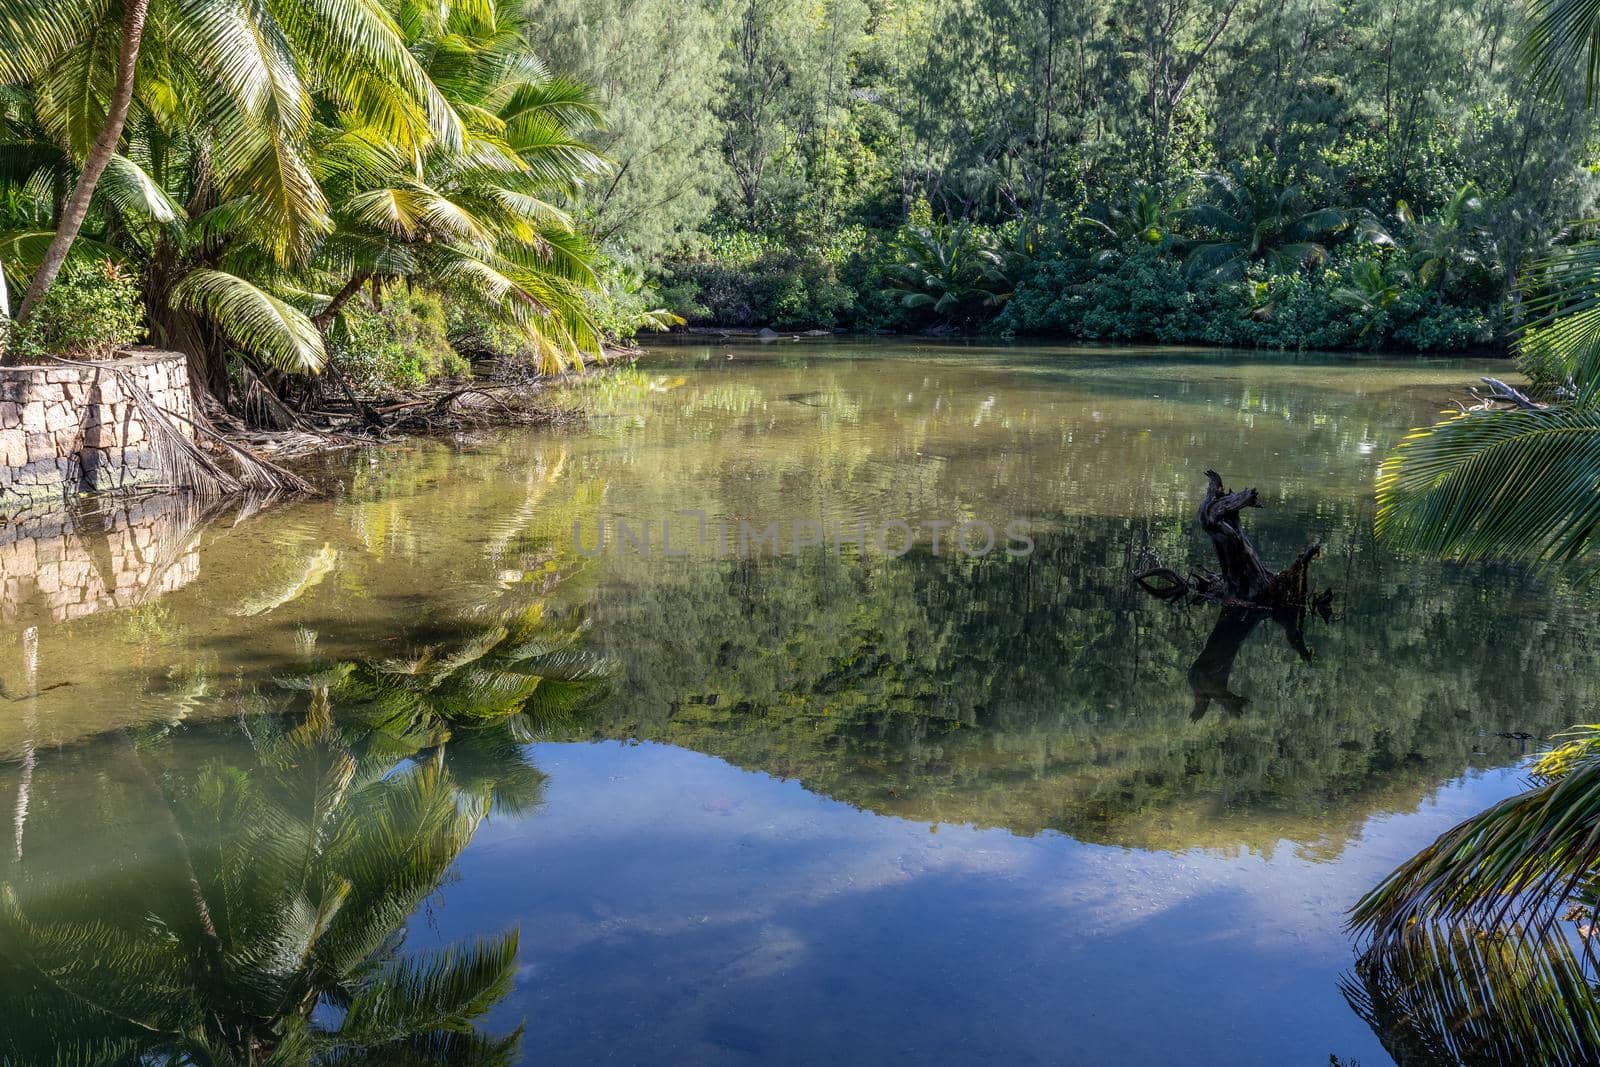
x=1514, y=477
x=257, y=170
x=1277, y=173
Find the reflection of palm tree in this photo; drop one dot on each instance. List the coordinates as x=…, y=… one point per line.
x=301, y=871
x=1448, y=997
x=263, y=925
x=523, y=673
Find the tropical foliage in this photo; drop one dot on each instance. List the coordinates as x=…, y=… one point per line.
x=1248, y=143
x=1524, y=482
x=1517, y=864
x=276, y=158
x=1449, y=997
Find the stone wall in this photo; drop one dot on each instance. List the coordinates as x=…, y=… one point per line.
x=67, y=428
x=65, y=563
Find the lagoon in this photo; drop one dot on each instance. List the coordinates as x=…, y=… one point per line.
x=788, y=804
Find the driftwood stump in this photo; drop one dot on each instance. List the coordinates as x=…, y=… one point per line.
x=1246, y=589
x=1243, y=581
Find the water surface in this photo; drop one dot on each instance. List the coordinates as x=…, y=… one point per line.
x=782, y=806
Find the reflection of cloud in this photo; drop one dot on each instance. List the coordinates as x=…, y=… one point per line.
x=817, y=927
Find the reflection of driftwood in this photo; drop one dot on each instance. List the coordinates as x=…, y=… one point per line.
x=1246, y=589
x=1208, y=675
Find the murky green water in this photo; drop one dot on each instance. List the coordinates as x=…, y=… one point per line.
x=748, y=803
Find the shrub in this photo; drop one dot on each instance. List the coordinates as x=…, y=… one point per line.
x=403, y=344
x=626, y=304
x=1147, y=295
x=92, y=310
x=782, y=289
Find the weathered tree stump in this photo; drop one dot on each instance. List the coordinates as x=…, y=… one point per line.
x=1245, y=588
x=1243, y=581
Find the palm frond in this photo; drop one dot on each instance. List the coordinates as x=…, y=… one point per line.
x=444, y=990
x=254, y=319
x=1457, y=997
x=134, y=192
x=1516, y=864
x=1564, y=36
x=33, y=35
x=1496, y=483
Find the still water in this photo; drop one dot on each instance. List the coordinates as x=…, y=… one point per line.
x=399, y=771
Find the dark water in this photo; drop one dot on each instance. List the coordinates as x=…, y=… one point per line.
x=746, y=802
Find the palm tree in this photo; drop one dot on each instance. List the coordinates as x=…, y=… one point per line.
x=1145, y=215
x=1253, y=216
x=953, y=271
x=477, y=221
x=277, y=157
x=1517, y=865
x=243, y=70
x=1372, y=289
x=1449, y=241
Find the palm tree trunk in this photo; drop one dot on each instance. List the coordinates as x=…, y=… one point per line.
x=323, y=320
x=77, y=209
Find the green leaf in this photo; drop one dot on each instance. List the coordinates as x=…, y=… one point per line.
x=1496, y=483
x=254, y=319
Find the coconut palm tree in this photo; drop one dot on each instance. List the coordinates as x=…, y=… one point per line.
x=478, y=221
x=245, y=68
x=251, y=231
x=1253, y=216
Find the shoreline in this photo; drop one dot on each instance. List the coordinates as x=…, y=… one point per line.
x=692, y=334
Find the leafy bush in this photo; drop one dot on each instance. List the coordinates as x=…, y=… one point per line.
x=402, y=344
x=782, y=289
x=626, y=304
x=475, y=335
x=92, y=310
x=1148, y=295
x=957, y=274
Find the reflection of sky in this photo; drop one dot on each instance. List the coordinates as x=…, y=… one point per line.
x=676, y=909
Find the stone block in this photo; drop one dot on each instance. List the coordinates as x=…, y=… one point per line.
x=100, y=435
x=13, y=448
x=106, y=391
